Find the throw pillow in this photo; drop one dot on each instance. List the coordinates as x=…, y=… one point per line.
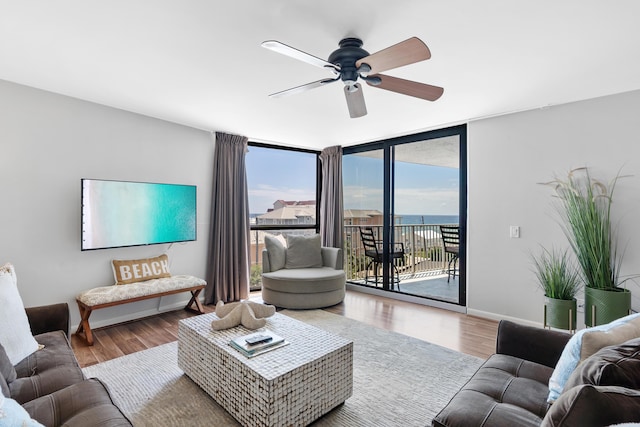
x=616, y=365
x=12, y=414
x=589, y=405
x=276, y=250
x=303, y=251
x=593, y=341
x=17, y=340
x=571, y=355
x=139, y=270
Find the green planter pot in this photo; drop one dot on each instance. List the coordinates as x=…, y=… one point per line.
x=560, y=313
x=604, y=306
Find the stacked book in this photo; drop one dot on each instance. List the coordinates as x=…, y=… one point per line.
x=257, y=343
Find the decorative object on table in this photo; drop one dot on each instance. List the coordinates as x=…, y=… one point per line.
x=560, y=282
x=257, y=343
x=585, y=208
x=249, y=314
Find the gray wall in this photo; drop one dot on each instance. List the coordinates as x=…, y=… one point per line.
x=507, y=157
x=49, y=142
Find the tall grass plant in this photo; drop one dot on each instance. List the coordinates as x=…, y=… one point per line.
x=585, y=209
x=556, y=274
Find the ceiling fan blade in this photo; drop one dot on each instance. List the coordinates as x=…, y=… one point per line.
x=292, y=52
x=303, y=88
x=407, y=52
x=408, y=87
x=355, y=100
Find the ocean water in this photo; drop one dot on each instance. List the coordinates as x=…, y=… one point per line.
x=426, y=219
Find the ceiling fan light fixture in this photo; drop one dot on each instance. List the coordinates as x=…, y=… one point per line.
x=351, y=63
x=352, y=87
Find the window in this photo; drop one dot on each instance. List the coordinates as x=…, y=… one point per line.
x=283, y=186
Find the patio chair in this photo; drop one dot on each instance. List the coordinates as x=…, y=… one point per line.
x=451, y=242
x=373, y=251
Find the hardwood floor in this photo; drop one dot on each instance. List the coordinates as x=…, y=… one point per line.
x=460, y=332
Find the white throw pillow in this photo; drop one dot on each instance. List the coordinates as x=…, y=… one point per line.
x=15, y=332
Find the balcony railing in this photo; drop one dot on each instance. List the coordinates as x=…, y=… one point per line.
x=423, y=248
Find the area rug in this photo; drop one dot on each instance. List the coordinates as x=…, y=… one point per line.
x=397, y=380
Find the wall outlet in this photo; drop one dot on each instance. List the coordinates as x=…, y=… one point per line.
x=580, y=305
x=514, y=232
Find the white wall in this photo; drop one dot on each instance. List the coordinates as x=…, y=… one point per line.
x=507, y=157
x=48, y=143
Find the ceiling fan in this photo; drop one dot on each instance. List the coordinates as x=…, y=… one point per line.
x=350, y=62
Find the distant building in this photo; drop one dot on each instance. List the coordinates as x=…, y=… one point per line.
x=289, y=213
x=282, y=203
x=362, y=217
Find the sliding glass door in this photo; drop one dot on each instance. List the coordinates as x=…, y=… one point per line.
x=408, y=192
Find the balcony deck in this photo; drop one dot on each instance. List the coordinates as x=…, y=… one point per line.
x=423, y=272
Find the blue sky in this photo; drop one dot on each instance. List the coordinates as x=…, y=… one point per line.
x=281, y=174
x=419, y=189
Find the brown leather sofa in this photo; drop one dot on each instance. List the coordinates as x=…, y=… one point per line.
x=49, y=383
x=511, y=388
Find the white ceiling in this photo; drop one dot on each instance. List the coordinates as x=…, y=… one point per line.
x=199, y=62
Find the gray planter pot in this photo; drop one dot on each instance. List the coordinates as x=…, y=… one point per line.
x=605, y=306
x=560, y=313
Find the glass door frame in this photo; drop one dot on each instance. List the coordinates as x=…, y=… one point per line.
x=387, y=147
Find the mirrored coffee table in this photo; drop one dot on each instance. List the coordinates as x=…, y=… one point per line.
x=291, y=385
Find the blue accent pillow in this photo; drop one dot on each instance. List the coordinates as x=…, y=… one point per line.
x=12, y=414
x=571, y=356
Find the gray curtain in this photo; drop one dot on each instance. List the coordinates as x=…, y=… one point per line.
x=228, y=261
x=331, y=204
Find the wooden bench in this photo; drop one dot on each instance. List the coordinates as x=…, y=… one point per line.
x=109, y=296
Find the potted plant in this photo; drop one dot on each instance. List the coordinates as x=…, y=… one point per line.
x=560, y=282
x=585, y=208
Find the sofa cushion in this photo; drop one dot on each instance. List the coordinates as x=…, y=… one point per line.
x=277, y=251
x=303, y=251
x=505, y=391
x=603, y=335
x=305, y=280
x=7, y=371
x=18, y=342
x=617, y=365
x=86, y=403
x=589, y=405
x=45, y=371
x=140, y=270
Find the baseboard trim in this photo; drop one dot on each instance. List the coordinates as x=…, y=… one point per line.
x=499, y=317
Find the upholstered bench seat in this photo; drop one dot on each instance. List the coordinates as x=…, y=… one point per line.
x=108, y=294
